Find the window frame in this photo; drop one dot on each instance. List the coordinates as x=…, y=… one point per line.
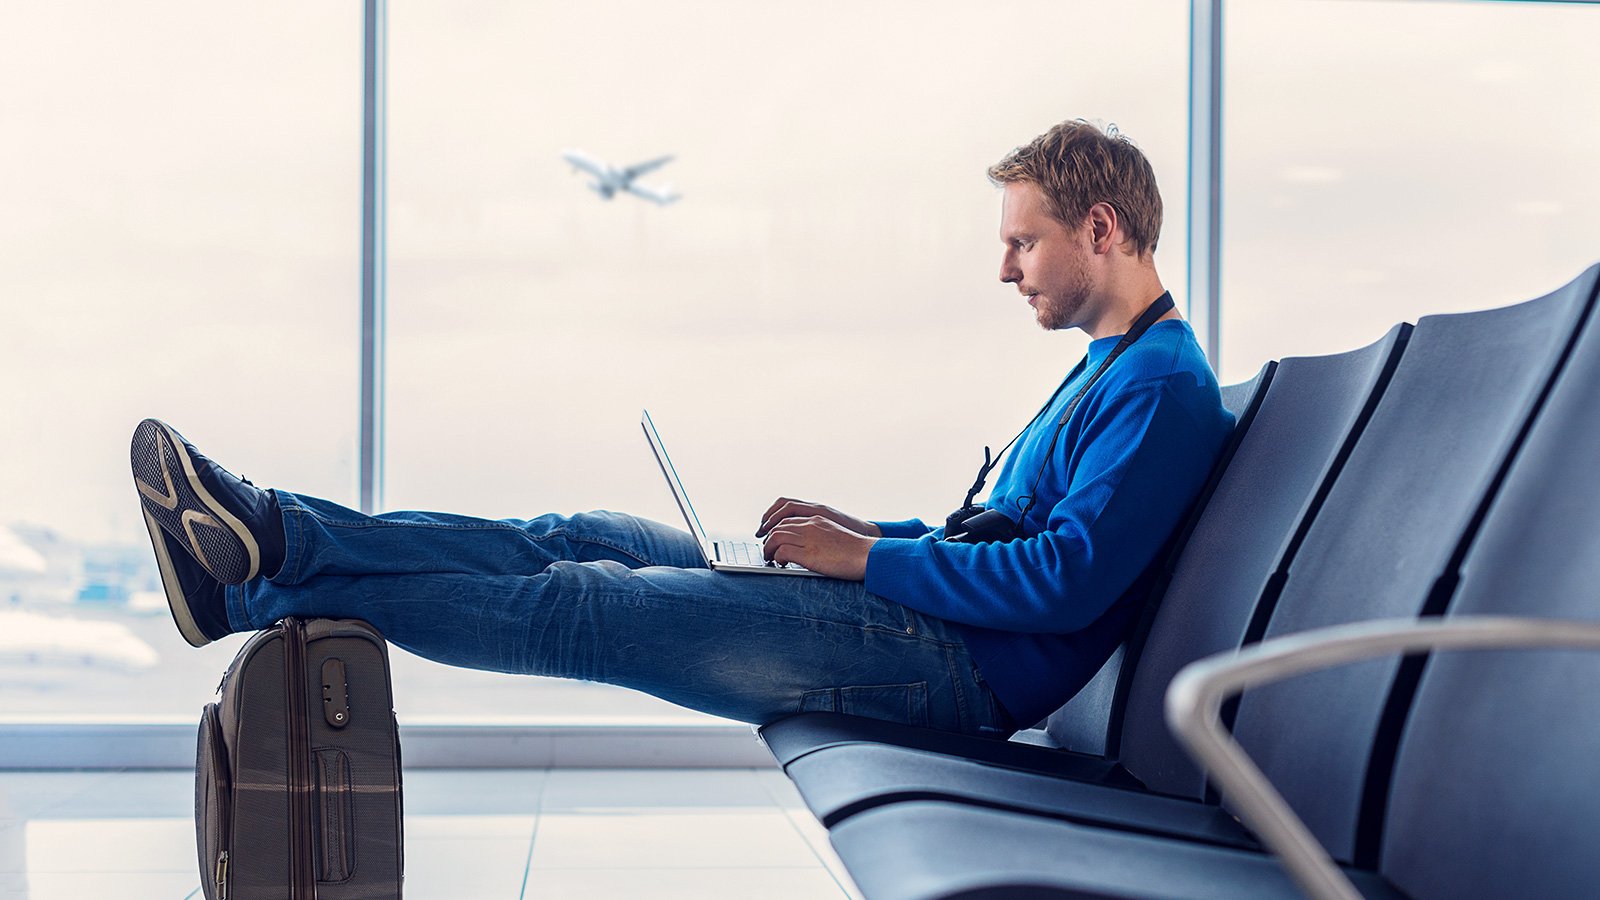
x=75, y=742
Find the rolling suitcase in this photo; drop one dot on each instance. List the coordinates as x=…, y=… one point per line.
x=297, y=775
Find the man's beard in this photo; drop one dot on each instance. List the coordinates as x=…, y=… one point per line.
x=1058, y=312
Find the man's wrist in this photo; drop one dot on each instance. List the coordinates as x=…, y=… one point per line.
x=867, y=544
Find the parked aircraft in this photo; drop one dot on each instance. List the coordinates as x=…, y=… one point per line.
x=609, y=179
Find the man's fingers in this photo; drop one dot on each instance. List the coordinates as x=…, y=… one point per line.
x=773, y=515
x=785, y=508
x=777, y=539
x=788, y=535
x=776, y=505
x=818, y=543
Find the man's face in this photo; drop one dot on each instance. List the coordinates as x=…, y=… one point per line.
x=1046, y=260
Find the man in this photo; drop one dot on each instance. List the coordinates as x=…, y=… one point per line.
x=976, y=635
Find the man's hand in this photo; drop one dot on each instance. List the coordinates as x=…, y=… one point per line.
x=789, y=508
x=821, y=545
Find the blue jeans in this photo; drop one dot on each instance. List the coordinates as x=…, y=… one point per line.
x=608, y=597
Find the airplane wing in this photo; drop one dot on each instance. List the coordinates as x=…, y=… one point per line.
x=635, y=171
x=661, y=196
x=580, y=161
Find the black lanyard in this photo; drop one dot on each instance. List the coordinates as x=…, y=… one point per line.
x=1162, y=305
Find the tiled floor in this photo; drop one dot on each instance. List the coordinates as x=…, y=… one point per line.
x=469, y=834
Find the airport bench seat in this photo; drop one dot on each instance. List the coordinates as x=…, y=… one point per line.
x=1278, y=460
x=939, y=848
x=1363, y=486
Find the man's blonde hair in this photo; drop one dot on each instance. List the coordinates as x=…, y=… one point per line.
x=1077, y=165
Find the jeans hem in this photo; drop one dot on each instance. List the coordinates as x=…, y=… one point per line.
x=294, y=541
x=238, y=616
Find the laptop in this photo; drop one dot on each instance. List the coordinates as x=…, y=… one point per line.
x=723, y=556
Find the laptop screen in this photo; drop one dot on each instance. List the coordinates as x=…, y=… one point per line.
x=678, y=493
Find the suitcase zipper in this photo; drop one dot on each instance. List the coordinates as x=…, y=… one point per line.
x=222, y=780
x=221, y=874
x=302, y=871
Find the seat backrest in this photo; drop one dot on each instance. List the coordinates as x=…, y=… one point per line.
x=1300, y=434
x=1389, y=529
x=1080, y=725
x=1084, y=723
x=1240, y=399
x=1495, y=790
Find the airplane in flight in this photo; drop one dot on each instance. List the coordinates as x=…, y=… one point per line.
x=608, y=179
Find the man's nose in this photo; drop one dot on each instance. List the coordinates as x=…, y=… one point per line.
x=1009, y=273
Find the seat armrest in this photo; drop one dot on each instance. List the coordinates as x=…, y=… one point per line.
x=1196, y=695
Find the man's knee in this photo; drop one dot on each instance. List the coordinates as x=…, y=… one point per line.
x=634, y=541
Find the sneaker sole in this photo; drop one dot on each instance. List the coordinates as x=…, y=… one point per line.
x=172, y=495
x=177, y=601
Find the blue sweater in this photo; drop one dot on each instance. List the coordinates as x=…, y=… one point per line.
x=1041, y=614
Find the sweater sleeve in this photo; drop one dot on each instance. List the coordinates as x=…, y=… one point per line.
x=1139, y=469
x=910, y=528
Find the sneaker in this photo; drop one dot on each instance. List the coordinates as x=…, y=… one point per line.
x=198, y=602
x=228, y=525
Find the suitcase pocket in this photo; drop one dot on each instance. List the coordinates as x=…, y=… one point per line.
x=213, y=795
x=336, y=844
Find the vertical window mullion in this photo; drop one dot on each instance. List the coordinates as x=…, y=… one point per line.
x=1205, y=175
x=373, y=215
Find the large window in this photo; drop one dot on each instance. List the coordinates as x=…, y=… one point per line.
x=1387, y=160
x=819, y=315
x=181, y=196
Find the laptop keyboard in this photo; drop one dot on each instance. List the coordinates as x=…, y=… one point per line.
x=748, y=553
x=744, y=553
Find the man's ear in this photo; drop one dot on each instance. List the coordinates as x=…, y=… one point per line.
x=1104, y=233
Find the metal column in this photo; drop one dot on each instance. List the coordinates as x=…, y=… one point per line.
x=373, y=214
x=1205, y=175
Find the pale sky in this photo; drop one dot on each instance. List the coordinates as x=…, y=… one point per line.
x=820, y=315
